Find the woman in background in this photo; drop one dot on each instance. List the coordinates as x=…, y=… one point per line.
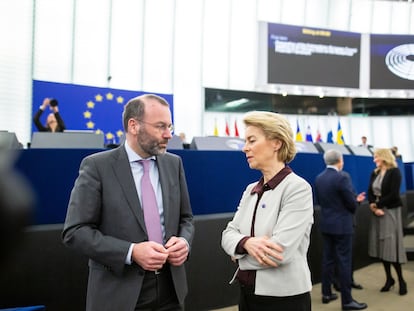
x=269, y=234
x=386, y=234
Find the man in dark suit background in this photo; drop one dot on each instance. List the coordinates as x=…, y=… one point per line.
x=334, y=194
x=105, y=221
x=364, y=142
x=354, y=284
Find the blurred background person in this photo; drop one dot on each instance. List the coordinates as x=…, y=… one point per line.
x=386, y=232
x=269, y=234
x=335, y=195
x=336, y=283
x=16, y=203
x=364, y=142
x=54, y=121
x=394, y=150
x=186, y=145
x=182, y=137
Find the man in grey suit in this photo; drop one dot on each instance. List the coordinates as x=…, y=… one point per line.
x=105, y=221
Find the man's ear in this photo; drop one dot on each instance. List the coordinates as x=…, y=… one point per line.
x=133, y=126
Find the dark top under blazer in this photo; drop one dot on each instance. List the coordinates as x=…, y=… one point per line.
x=335, y=195
x=390, y=189
x=104, y=217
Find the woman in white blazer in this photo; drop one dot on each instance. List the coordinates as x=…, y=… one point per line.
x=270, y=232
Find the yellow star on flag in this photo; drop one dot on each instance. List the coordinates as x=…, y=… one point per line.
x=109, y=96
x=87, y=114
x=98, y=98
x=90, y=104
x=90, y=125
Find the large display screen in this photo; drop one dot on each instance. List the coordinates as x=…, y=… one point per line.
x=311, y=56
x=392, y=62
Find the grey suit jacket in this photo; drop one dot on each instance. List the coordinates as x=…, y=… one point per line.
x=104, y=217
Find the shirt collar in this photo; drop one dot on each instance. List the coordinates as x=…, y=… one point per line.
x=333, y=167
x=132, y=155
x=271, y=184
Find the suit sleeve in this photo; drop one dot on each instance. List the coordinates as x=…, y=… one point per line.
x=36, y=121
x=295, y=220
x=60, y=122
x=186, y=227
x=347, y=192
x=81, y=228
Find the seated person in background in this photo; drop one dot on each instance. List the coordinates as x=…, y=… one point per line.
x=54, y=122
x=364, y=142
x=183, y=138
x=394, y=151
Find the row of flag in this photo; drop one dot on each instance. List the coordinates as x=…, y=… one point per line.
x=329, y=137
x=299, y=137
x=227, y=129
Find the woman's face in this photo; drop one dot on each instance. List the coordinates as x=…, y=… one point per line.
x=378, y=162
x=260, y=151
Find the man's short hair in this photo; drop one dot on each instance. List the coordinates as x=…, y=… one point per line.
x=332, y=157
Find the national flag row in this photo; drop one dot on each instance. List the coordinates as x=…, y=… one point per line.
x=227, y=129
x=329, y=137
x=299, y=137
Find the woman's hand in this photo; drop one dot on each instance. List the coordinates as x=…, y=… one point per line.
x=377, y=211
x=264, y=250
x=46, y=102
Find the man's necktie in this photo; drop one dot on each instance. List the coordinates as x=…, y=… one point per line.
x=150, y=207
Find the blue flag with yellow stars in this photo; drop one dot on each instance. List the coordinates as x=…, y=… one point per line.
x=88, y=108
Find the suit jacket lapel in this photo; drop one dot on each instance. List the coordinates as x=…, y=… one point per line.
x=122, y=170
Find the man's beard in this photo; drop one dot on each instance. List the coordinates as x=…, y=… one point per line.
x=149, y=144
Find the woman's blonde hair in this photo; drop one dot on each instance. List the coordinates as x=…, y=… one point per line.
x=386, y=156
x=274, y=126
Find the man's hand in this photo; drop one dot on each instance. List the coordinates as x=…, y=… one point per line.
x=264, y=250
x=177, y=249
x=150, y=255
x=360, y=197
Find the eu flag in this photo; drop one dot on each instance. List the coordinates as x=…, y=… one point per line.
x=90, y=108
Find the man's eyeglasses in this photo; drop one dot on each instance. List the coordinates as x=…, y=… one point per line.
x=162, y=127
